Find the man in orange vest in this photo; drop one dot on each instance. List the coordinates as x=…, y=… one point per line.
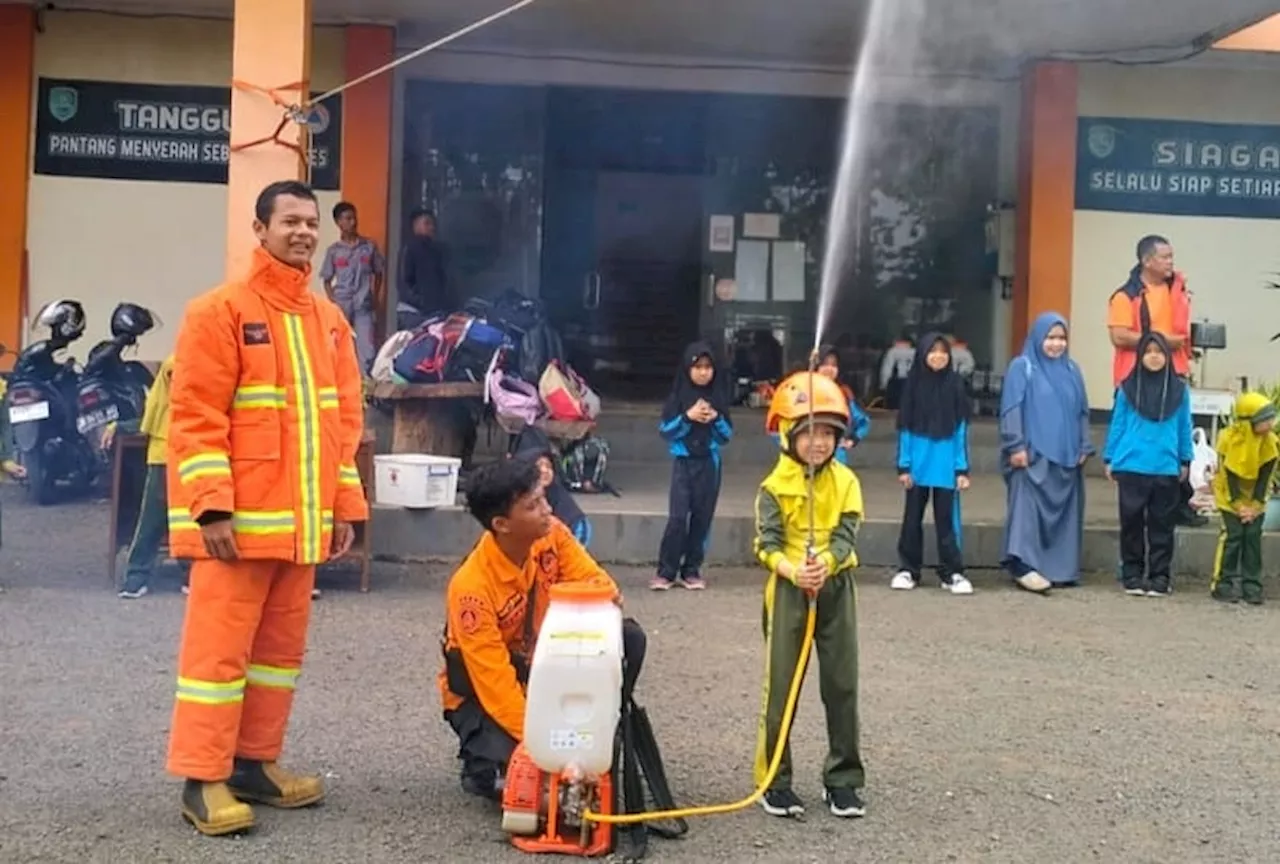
x=265, y=417
x=1154, y=299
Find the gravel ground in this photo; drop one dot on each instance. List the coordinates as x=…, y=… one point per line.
x=999, y=728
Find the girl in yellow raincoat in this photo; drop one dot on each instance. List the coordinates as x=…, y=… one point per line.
x=1247, y=451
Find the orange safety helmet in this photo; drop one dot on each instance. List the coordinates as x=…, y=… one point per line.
x=791, y=402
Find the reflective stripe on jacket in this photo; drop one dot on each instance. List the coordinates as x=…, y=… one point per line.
x=265, y=416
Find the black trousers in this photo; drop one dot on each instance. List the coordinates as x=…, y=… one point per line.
x=1148, y=514
x=485, y=748
x=946, y=518
x=695, y=489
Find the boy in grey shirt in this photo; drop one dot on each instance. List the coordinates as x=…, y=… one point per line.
x=353, y=275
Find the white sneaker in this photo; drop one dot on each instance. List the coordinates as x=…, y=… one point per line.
x=902, y=581
x=958, y=585
x=1034, y=583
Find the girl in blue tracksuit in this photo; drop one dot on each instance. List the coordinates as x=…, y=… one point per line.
x=859, y=422
x=695, y=424
x=933, y=461
x=1148, y=454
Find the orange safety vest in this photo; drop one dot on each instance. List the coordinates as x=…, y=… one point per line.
x=1125, y=359
x=266, y=412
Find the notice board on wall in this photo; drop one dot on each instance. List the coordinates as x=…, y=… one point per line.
x=1178, y=168
x=172, y=134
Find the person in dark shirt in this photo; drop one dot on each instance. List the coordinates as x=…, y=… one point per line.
x=424, y=287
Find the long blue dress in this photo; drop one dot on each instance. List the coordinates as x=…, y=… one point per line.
x=1044, y=411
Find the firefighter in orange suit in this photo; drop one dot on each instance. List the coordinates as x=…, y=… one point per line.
x=266, y=414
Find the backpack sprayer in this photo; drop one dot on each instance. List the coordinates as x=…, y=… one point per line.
x=564, y=799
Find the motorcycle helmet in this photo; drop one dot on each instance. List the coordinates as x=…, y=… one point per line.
x=130, y=319
x=64, y=318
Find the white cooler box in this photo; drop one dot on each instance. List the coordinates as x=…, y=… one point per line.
x=416, y=480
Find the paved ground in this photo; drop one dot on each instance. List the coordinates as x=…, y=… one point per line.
x=998, y=728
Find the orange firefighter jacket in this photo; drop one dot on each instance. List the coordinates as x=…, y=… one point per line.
x=486, y=604
x=265, y=415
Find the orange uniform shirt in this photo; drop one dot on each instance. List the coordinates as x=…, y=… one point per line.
x=1122, y=312
x=487, y=602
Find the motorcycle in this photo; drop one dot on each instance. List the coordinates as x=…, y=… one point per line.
x=113, y=391
x=42, y=407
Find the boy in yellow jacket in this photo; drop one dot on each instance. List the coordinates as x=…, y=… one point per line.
x=810, y=564
x=1247, y=455
x=153, y=513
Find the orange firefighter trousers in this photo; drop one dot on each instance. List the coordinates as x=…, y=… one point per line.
x=242, y=644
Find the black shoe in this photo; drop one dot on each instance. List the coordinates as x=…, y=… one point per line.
x=483, y=781
x=844, y=803
x=1188, y=518
x=782, y=802
x=1159, y=591
x=1253, y=601
x=1224, y=595
x=1135, y=589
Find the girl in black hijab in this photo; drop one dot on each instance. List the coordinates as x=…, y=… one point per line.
x=933, y=462
x=1148, y=454
x=533, y=444
x=695, y=424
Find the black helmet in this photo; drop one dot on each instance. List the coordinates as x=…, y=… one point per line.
x=64, y=318
x=130, y=319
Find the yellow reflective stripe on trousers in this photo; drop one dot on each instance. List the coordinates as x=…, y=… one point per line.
x=242, y=521
x=204, y=465
x=279, y=677
x=348, y=476
x=328, y=398
x=210, y=692
x=308, y=407
x=259, y=396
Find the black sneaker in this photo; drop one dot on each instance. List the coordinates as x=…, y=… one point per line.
x=782, y=802
x=844, y=803
x=1159, y=590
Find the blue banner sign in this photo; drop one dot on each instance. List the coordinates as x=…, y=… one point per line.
x=1179, y=168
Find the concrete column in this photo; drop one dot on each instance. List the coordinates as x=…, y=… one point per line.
x=1046, y=196
x=17, y=53
x=271, y=49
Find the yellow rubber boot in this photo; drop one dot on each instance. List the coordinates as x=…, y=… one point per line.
x=213, y=810
x=268, y=783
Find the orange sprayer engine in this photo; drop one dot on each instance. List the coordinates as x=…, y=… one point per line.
x=543, y=811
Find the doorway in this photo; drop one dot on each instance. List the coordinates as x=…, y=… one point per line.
x=624, y=202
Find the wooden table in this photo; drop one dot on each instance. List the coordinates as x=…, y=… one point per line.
x=128, y=476
x=429, y=418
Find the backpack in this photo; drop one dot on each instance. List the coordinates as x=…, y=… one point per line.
x=583, y=464
x=384, y=363
x=512, y=397
x=515, y=313
x=426, y=357
x=473, y=354
x=539, y=347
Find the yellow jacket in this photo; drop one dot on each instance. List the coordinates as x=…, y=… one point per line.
x=265, y=415
x=1246, y=460
x=782, y=515
x=155, y=416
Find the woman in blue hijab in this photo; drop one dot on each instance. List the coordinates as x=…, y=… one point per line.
x=1044, y=442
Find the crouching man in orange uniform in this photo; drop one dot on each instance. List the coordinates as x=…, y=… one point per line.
x=496, y=601
x=266, y=414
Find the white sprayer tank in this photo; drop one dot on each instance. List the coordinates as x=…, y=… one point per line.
x=575, y=681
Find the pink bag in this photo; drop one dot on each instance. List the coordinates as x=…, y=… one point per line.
x=512, y=397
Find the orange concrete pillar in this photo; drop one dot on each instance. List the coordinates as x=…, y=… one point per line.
x=17, y=56
x=366, y=131
x=271, y=49
x=1046, y=196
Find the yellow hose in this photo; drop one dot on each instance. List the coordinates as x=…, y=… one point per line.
x=793, y=696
